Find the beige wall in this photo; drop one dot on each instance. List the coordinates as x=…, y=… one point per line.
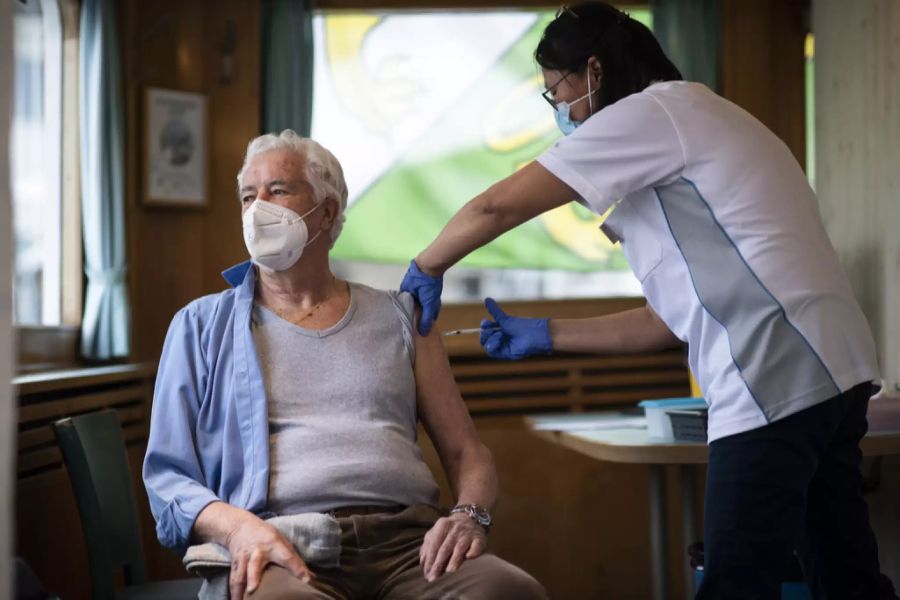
x=858, y=154
x=7, y=408
x=858, y=180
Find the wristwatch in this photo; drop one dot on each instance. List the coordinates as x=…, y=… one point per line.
x=477, y=513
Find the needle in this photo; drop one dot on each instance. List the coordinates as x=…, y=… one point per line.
x=465, y=331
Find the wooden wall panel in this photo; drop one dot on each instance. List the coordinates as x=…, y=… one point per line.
x=578, y=525
x=48, y=528
x=48, y=534
x=763, y=64
x=175, y=255
x=235, y=120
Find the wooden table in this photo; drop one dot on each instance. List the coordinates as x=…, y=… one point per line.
x=621, y=437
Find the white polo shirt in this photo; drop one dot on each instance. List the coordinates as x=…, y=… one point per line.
x=723, y=231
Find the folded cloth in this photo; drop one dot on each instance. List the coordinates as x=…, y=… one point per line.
x=317, y=538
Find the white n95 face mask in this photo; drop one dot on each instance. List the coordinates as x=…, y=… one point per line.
x=275, y=236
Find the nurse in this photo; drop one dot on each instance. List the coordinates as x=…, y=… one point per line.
x=720, y=226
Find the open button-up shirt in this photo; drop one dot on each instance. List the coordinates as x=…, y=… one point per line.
x=208, y=428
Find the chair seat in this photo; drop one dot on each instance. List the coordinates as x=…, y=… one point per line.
x=176, y=589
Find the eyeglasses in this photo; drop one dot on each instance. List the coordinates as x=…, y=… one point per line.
x=621, y=15
x=550, y=93
x=566, y=10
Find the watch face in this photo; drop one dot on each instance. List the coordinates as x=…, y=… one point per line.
x=481, y=515
x=478, y=514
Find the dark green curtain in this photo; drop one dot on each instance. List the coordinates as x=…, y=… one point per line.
x=287, y=66
x=689, y=32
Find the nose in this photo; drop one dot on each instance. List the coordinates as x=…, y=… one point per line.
x=262, y=194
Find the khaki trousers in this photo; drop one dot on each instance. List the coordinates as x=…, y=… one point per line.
x=380, y=561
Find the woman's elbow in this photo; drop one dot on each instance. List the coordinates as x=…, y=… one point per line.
x=489, y=207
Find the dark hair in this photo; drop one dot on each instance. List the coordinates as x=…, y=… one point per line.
x=629, y=54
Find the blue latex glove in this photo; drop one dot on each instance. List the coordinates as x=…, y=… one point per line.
x=427, y=292
x=512, y=338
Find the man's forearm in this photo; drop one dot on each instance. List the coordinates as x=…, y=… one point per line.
x=473, y=477
x=216, y=521
x=637, y=330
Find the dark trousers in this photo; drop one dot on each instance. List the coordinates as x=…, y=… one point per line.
x=793, y=485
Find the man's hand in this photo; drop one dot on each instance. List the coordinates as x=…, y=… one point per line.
x=448, y=543
x=253, y=544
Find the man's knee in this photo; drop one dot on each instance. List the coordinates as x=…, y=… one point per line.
x=278, y=583
x=496, y=578
x=519, y=584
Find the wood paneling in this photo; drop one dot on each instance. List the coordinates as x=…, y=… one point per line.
x=576, y=524
x=42, y=348
x=763, y=64
x=176, y=255
x=48, y=528
x=568, y=383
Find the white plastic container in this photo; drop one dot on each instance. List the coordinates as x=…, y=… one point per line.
x=659, y=427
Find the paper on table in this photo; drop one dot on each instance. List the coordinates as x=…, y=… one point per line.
x=588, y=422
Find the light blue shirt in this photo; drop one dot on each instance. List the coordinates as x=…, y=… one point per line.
x=208, y=429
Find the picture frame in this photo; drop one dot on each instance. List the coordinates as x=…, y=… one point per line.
x=175, y=146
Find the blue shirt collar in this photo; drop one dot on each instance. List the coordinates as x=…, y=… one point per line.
x=235, y=275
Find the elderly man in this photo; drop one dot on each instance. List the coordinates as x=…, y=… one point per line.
x=295, y=392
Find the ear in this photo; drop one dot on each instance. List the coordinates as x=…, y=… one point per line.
x=329, y=213
x=595, y=69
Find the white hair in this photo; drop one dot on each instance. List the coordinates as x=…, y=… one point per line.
x=323, y=172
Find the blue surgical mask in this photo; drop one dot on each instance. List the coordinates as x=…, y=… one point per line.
x=563, y=121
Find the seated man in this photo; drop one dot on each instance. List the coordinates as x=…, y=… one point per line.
x=296, y=392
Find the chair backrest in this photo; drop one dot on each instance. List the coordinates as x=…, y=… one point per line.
x=93, y=449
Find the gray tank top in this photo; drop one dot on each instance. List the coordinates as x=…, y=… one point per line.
x=342, y=408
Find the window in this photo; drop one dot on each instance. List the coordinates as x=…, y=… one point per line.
x=425, y=110
x=35, y=162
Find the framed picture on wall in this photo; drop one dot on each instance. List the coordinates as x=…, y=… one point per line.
x=175, y=152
